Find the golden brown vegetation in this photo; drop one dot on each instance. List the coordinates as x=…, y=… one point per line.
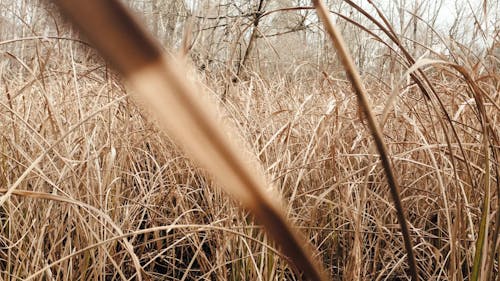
x=92, y=190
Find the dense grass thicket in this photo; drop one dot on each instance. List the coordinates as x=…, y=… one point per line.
x=95, y=183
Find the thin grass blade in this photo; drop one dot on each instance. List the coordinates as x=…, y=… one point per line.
x=355, y=79
x=161, y=87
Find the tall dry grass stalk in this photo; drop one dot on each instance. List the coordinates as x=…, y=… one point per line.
x=365, y=106
x=161, y=86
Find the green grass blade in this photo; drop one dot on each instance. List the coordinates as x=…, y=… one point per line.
x=483, y=226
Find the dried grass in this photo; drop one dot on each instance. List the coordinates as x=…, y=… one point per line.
x=92, y=189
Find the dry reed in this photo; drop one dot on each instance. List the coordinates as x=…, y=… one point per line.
x=161, y=87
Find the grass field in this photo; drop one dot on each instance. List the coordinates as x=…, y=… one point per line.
x=92, y=188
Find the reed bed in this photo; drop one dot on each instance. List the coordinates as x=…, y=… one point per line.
x=94, y=189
